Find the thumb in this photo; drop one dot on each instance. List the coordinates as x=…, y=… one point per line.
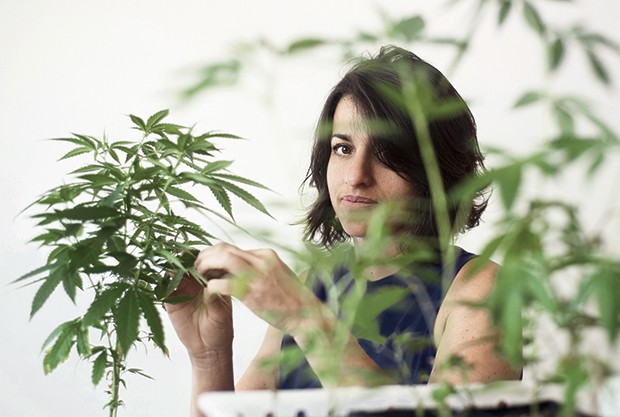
x=221, y=286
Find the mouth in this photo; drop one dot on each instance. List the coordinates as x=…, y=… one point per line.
x=358, y=201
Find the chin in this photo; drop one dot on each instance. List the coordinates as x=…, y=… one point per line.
x=355, y=230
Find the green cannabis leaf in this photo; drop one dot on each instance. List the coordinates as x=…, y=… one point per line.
x=116, y=231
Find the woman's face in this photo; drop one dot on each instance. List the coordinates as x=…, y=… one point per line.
x=356, y=180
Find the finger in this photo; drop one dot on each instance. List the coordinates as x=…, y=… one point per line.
x=187, y=286
x=216, y=262
x=222, y=286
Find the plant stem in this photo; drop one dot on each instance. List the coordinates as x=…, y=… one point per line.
x=116, y=379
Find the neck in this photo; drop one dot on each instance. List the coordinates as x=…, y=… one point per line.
x=377, y=272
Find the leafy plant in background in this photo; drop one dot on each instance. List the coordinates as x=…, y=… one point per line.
x=541, y=240
x=115, y=233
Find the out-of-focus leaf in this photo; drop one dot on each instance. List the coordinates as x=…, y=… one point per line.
x=533, y=19
x=504, y=11
x=408, y=28
x=528, y=98
x=509, y=180
x=556, y=53
x=598, y=67
x=217, y=74
x=302, y=45
x=607, y=288
x=565, y=120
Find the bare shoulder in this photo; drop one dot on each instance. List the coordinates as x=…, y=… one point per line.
x=472, y=284
x=464, y=330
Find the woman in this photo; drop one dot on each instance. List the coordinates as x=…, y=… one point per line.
x=367, y=153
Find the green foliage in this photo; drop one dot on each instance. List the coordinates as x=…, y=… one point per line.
x=116, y=233
x=540, y=240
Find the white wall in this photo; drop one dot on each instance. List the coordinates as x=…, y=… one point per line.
x=81, y=66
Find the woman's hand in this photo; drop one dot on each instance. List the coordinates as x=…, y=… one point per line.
x=261, y=281
x=204, y=325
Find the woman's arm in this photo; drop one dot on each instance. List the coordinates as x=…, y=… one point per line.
x=204, y=326
x=256, y=376
x=260, y=280
x=467, y=332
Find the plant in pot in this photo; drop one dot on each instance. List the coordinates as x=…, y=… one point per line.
x=119, y=232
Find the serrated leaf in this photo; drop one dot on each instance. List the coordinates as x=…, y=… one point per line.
x=86, y=169
x=242, y=180
x=103, y=303
x=180, y=193
x=80, y=140
x=138, y=122
x=223, y=135
x=304, y=44
x=156, y=118
x=533, y=19
x=46, y=289
x=75, y=152
x=71, y=281
x=215, y=166
x=83, y=345
x=60, y=350
x=87, y=213
x=245, y=196
x=98, y=179
x=169, y=128
x=35, y=272
x=126, y=320
x=153, y=319
x=139, y=372
x=54, y=334
x=99, y=366
x=222, y=198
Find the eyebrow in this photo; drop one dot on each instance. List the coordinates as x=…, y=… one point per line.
x=342, y=136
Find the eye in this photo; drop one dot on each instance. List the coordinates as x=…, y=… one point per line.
x=341, y=149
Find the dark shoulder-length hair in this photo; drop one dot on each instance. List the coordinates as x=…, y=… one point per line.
x=376, y=85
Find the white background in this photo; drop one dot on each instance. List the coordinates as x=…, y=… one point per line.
x=82, y=66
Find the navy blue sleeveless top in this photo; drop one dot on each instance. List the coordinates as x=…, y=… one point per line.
x=406, y=350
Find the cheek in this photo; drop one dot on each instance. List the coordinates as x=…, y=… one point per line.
x=330, y=178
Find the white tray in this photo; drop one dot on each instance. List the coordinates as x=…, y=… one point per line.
x=342, y=401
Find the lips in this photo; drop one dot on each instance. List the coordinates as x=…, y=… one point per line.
x=358, y=200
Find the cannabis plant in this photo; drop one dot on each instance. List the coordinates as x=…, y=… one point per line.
x=116, y=233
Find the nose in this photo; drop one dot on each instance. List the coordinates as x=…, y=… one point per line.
x=359, y=170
